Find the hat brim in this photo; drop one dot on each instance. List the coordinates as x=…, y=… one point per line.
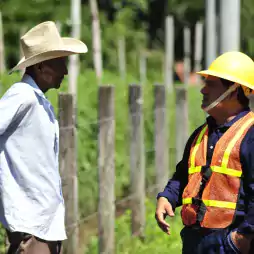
x=70, y=46
x=207, y=73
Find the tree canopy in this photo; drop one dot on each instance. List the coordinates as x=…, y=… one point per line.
x=140, y=21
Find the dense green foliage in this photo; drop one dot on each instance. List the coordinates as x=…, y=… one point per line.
x=140, y=22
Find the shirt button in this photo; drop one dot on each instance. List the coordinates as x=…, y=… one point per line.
x=211, y=147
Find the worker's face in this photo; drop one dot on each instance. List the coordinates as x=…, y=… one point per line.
x=212, y=90
x=53, y=72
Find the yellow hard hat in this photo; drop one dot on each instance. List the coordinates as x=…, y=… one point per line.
x=233, y=66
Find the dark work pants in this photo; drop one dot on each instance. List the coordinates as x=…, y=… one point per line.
x=22, y=243
x=199, y=242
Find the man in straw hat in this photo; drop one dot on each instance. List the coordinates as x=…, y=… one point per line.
x=32, y=206
x=214, y=181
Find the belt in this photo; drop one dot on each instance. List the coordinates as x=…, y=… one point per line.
x=202, y=231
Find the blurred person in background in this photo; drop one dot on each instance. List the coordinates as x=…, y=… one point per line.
x=214, y=181
x=31, y=203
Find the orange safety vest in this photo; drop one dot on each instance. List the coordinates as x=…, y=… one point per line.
x=210, y=197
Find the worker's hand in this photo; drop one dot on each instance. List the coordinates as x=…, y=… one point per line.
x=242, y=242
x=163, y=209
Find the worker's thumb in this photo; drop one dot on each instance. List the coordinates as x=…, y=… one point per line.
x=169, y=210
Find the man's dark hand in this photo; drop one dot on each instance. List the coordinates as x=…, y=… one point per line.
x=242, y=242
x=163, y=210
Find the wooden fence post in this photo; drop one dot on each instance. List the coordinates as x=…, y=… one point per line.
x=137, y=160
x=198, y=48
x=96, y=31
x=182, y=121
x=59, y=26
x=187, y=55
x=161, y=137
x=169, y=53
x=6, y=243
x=68, y=170
x=23, y=30
x=142, y=67
x=211, y=40
x=106, y=138
x=74, y=64
x=121, y=57
x=251, y=97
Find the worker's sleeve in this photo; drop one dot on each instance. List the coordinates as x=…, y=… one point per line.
x=14, y=105
x=247, y=160
x=175, y=186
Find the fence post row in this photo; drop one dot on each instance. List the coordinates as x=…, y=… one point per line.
x=137, y=161
x=142, y=67
x=161, y=137
x=122, y=57
x=198, y=49
x=106, y=206
x=169, y=53
x=187, y=55
x=68, y=169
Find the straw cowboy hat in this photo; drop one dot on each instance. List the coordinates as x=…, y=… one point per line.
x=43, y=42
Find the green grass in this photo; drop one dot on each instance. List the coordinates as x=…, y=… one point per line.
x=155, y=240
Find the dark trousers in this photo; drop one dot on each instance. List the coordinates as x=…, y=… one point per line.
x=199, y=241
x=22, y=243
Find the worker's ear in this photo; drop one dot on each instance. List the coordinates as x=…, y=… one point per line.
x=234, y=94
x=37, y=68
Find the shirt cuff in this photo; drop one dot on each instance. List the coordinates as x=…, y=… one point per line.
x=170, y=199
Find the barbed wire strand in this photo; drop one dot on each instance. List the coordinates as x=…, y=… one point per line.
x=102, y=121
x=65, y=178
x=129, y=197
x=117, y=203
x=108, y=119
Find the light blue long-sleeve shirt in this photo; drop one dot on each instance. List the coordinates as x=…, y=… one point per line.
x=30, y=186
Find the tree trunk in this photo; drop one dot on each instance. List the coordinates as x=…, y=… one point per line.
x=97, y=57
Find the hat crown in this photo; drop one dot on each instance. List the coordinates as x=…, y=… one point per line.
x=42, y=38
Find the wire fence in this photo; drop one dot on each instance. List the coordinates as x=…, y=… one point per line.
x=146, y=114
x=149, y=190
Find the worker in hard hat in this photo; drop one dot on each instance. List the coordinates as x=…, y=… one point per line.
x=214, y=181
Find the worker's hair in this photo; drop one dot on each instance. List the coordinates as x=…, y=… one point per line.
x=243, y=100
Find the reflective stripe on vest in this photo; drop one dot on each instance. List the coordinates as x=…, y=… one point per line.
x=193, y=155
x=221, y=191
x=226, y=171
x=214, y=203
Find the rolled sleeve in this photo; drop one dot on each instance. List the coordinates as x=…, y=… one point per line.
x=175, y=186
x=247, y=160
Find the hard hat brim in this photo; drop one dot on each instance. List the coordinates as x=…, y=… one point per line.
x=207, y=73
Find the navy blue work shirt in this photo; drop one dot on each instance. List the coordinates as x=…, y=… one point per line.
x=175, y=186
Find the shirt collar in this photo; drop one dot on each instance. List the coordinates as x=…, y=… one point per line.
x=29, y=80
x=212, y=124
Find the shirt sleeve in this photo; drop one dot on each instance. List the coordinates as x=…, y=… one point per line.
x=247, y=160
x=14, y=105
x=175, y=186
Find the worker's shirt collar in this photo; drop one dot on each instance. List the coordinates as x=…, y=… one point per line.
x=213, y=126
